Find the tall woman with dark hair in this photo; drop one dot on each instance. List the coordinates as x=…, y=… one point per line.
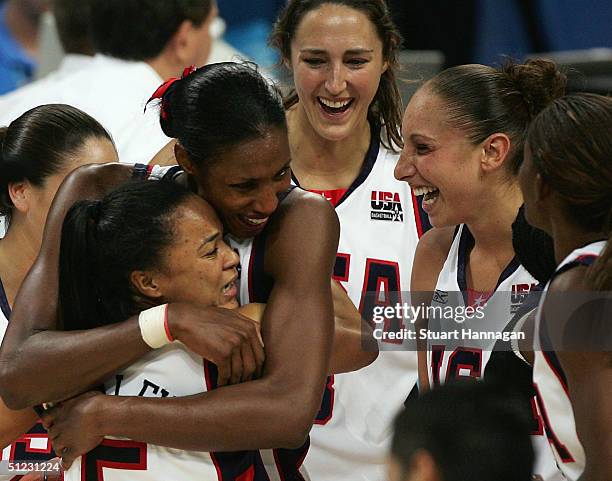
x=567, y=183
x=37, y=152
x=344, y=118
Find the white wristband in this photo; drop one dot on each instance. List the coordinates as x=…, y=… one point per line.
x=154, y=326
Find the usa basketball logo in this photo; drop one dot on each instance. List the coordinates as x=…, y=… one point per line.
x=518, y=296
x=386, y=206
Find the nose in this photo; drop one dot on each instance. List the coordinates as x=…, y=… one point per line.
x=335, y=83
x=230, y=257
x=267, y=201
x=404, y=169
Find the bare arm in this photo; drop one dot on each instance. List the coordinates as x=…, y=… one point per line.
x=431, y=252
x=38, y=363
x=354, y=347
x=14, y=423
x=298, y=331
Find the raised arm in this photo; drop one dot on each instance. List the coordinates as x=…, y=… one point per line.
x=39, y=363
x=274, y=411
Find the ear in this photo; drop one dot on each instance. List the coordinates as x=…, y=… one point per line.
x=147, y=283
x=19, y=193
x=182, y=159
x=423, y=467
x=384, y=67
x=495, y=151
x=543, y=190
x=181, y=42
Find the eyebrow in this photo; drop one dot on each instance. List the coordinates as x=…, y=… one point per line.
x=353, y=51
x=413, y=137
x=256, y=179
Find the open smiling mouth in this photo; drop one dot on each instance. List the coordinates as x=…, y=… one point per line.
x=430, y=194
x=334, y=108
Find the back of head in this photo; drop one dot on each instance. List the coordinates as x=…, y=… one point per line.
x=482, y=100
x=40, y=143
x=473, y=431
x=141, y=29
x=73, y=20
x=570, y=145
x=104, y=241
x=219, y=106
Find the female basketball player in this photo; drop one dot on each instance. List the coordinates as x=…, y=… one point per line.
x=227, y=110
x=344, y=135
x=37, y=151
x=106, y=275
x=567, y=184
x=464, y=132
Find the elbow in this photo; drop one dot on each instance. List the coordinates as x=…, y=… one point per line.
x=295, y=431
x=10, y=391
x=298, y=412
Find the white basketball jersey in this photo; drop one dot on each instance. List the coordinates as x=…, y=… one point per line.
x=468, y=354
x=155, y=375
x=465, y=353
x=551, y=384
x=34, y=446
x=380, y=225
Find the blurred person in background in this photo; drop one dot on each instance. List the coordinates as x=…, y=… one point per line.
x=138, y=43
x=72, y=19
x=462, y=432
x=19, y=21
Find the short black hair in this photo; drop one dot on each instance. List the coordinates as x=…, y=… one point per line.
x=73, y=20
x=140, y=29
x=474, y=431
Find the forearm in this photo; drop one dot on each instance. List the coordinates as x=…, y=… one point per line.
x=350, y=351
x=14, y=424
x=253, y=415
x=55, y=365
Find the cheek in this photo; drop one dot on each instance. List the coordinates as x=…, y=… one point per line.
x=366, y=81
x=305, y=79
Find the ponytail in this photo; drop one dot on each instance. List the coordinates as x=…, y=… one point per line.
x=79, y=291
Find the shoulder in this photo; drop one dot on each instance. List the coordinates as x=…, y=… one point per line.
x=305, y=207
x=431, y=253
x=435, y=244
x=570, y=280
x=305, y=228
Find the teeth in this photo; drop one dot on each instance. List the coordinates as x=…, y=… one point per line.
x=423, y=190
x=256, y=221
x=228, y=286
x=335, y=105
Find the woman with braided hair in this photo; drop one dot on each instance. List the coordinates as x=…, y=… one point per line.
x=566, y=180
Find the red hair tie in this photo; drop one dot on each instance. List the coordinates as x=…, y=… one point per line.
x=163, y=88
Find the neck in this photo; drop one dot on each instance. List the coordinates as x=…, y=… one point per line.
x=17, y=254
x=491, y=223
x=325, y=164
x=164, y=68
x=23, y=28
x=569, y=237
